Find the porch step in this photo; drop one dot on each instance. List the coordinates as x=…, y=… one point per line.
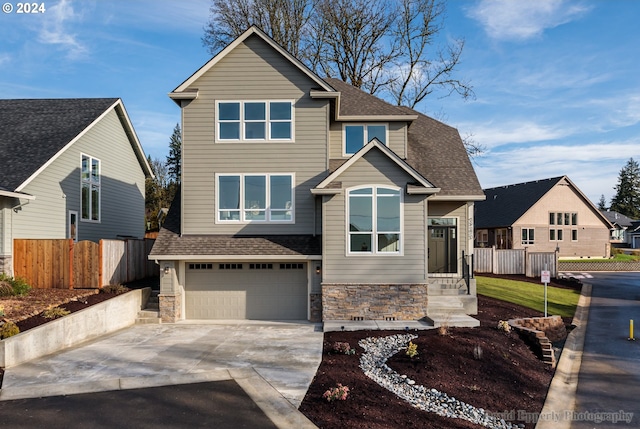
x=151, y=312
x=452, y=320
x=437, y=289
x=450, y=311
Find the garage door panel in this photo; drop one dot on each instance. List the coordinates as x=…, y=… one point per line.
x=246, y=293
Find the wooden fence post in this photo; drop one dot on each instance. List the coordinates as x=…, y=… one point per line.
x=100, y=263
x=71, y=273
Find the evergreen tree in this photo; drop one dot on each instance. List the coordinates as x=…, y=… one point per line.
x=157, y=191
x=627, y=197
x=602, y=203
x=174, y=159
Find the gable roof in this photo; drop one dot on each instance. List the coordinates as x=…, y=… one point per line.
x=182, y=91
x=33, y=132
x=506, y=204
x=617, y=218
x=434, y=150
x=324, y=186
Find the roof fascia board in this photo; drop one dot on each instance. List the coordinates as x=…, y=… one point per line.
x=326, y=191
x=233, y=257
x=19, y=195
x=588, y=202
x=67, y=146
x=186, y=95
x=131, y=133
x=458, y=198
x=365, y=149
x=389, y=118
x=244, y=36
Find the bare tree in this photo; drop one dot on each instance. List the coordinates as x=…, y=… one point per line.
x=417, y=74
x=284, y=20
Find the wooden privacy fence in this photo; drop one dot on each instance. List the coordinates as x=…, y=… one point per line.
x=63, y=264
x=514, y=261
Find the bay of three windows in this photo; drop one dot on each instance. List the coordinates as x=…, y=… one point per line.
x=255, y=197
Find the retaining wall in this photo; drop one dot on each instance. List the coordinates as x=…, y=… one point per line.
x=539, y=332
x=100, y=319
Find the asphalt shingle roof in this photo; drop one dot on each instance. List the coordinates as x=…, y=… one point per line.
x=506, y=204
x=617, y=218
x=34, y=130
x=354, y=102
x=169, y=241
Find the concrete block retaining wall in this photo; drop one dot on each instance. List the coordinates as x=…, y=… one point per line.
x=598, y=266
x=539, y=332
x=100, y=319
x=374, y=302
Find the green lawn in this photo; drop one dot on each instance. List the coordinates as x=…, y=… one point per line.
x=561, y=302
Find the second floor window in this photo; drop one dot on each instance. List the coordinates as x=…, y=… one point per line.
x=358, y=135
x=90, y=188
x=254, y=121
x=255, y=198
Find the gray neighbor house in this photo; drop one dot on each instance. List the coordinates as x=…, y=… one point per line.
x=69, y=168
x=308, y=199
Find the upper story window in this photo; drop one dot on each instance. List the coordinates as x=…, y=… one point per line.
x=562, y=218
x=358, y=135
x=254, y=121
x=374, y=218
x=90, y=188
x=255, y=198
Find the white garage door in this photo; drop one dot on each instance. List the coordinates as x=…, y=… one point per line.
x=258, y=291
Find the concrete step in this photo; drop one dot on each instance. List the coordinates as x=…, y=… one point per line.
x=436, y=289
x=148, y=316
x=452, y=320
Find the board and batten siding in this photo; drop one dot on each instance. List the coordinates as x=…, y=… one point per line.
x=57, y=189
x=397, y=132
x=252, y=71
x=374, y=168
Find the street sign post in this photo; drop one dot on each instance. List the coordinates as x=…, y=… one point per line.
x=545, y=276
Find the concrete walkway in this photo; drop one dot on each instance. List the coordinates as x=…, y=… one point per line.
x=269, y=360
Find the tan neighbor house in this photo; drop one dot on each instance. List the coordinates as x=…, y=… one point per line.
x=309, y=199
x=542, y=216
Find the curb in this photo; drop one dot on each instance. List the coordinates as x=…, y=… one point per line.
x=275, y=406
x=561, y=397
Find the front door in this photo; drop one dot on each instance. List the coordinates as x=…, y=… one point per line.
x=443, y=246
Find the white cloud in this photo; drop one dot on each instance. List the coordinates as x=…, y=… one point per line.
x=4, y=59
x=55, y=30
x=492, y=135
x=521, y=20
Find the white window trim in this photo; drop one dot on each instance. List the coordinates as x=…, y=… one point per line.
x=528, y=241
x=268, y=199
x=365, y=124
x=374, y=246
x=99, y=184
x=217, y=138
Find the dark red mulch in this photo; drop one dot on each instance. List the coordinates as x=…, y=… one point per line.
x=508, y=377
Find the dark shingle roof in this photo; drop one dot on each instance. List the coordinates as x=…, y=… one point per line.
x=170, y=242
x=617, y=218
x=506, y=204
x=34, y=130
x=434, y=149
x=354, y=102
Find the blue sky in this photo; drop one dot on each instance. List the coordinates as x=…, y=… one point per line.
x=557, y=82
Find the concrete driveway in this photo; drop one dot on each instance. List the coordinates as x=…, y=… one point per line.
x=284, y=355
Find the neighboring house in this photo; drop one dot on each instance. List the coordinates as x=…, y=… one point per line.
x=305, y=198
x=633, y=235
x=542, y=216
x=69, y=168
x=621, y=224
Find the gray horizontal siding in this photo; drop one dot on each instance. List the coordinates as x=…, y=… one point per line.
x=252, y=71
x=376, y=169
x=57, y=189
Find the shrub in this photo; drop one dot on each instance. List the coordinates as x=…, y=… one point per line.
x=8, y=329
x=19, y=285
x=343, y=348
x=503, y=325
x=6, y=289
x=116, y=289
x=412, y=350
x=55, y=312
x=338, y=393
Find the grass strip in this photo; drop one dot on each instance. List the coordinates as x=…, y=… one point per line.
x=560, y=301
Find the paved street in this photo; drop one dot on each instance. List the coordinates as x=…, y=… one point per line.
x=609, y=381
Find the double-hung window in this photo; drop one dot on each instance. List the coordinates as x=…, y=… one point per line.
x=374, y=220
x=90, y=188
x=254, y=121
x=255, y=198
x=358, y=135
x=528, y=236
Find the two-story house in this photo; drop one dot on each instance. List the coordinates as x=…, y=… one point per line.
x=305, y=198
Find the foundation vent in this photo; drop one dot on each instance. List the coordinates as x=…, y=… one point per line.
x=390, y=319
x=357, y=318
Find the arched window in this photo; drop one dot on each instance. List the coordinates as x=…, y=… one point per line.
x=374, y=218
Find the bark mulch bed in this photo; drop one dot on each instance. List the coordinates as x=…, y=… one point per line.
x=508, y=377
